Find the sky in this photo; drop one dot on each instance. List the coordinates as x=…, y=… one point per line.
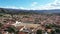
x=30, y=4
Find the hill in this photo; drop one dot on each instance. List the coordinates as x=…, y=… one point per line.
x=20, y=11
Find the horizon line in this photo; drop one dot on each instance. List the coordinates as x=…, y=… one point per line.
x=26, y=9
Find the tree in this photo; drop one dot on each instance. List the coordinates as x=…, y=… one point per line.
x=39, y=31
x=52, y=32
x=49, y=26
x=57, y=30
x=1, y=25
x=1, y=15
x=11, y=29
x=0, y=33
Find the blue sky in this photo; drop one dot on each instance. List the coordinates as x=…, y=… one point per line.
x=29, y=4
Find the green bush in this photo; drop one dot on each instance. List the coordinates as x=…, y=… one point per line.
x=39, y=31
x=57, y=30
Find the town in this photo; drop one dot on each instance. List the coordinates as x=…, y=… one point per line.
x=29, y=16
x=29, y=24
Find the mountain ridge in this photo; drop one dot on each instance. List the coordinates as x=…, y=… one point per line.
x=2, y=10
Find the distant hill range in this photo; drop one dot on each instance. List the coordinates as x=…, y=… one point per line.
x=17, y=11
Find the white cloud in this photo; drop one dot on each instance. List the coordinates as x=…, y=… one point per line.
x=22, y=8
x=34, y=3
x=53, y=5
x=13, y=7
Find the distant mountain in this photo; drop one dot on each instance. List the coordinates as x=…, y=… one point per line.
x=48, y=11
x=5, y=10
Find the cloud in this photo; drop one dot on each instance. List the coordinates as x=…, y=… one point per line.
x=13, y=7
x=22, y=8
x=34, y=3
x=33, y=6
x=56, y=3
x=53, y=5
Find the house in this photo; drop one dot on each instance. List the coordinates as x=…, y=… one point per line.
x=22, y=32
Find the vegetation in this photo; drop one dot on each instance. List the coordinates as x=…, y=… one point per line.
x=1, y=15
x=0, y=33
x=49, y=26
x=57, y=30
x=52, y=32
x=12, y=29
x=1, y=25
x=39, y=31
